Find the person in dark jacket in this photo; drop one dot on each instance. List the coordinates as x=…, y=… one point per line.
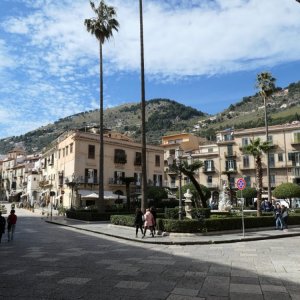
x=11, y=225
x=138, y=221
x=278, y=217
x=2, y=225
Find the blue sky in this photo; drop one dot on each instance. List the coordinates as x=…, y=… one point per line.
x=202, y=53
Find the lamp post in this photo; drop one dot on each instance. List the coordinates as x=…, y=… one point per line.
x=178, y=156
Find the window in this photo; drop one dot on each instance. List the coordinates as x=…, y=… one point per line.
x=71, y=148
x=229, y=150
x=138, y=159
x=232, y=182
x=246, y=163
x=137, y=178
x=120, y=156
x=296, y=137
x=271, y=160
x=272, y=179
x=172, y=152
x=230, y=165
x=280, y=156
x=270, y=139
x=59, y=153
x=90, y=176
x=91, y=152
x=209, y=165
x=157, y=180
x=209, y=180
x=64, y=152
x=245, y=142
x=157, y=160
x=67, y=150
x=210, y=150
x=248, y=180
x=118, y=177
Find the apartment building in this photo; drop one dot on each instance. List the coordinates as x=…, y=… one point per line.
x=70, y=167
x=224, y=160
x=170, y=143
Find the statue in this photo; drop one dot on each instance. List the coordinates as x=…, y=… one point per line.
x=188, y=204
x=224, y=201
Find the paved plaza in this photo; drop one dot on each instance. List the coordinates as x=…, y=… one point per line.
x=49, y=261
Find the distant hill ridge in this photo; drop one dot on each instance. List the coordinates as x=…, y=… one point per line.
x=165, y=116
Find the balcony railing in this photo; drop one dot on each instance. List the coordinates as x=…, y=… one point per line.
x=116, y=181
x=209, y=169
x=230, y=154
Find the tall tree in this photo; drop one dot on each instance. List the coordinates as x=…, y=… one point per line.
x=143, y=109
x=265, y=84
x=102, y=27
x=256, y=148
x=189, y=170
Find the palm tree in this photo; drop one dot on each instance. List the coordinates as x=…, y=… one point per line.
x=189, y=170
x=102, y=26
x=265, y=83
x=256, y=148
x=143, y=109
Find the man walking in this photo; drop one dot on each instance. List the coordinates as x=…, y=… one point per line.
x=11, y=225
x=2, y=225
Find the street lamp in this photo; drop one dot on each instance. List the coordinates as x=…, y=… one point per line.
x=178, y=157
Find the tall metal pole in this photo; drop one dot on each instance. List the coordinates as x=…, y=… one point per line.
x=180, y=196
x=268, y=163
x=143, y=109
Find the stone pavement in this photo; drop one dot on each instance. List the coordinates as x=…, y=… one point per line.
x=128, y=233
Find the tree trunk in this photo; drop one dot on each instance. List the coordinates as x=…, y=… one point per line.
x=143, y=109
x=100, y=203
x=259, y=176
x=199, y=190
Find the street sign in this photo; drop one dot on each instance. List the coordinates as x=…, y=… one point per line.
x=241, y=184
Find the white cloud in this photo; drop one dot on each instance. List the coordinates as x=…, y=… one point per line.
x=55, y=60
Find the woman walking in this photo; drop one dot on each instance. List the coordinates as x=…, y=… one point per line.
x=138, y=221
x=149, y=222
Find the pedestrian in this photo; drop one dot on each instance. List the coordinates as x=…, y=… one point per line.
x=11, y=225
x=153, y=212
x=284, y=216
x=149, y=221
x=138, y=221
x=277, y=215
x=2, y=225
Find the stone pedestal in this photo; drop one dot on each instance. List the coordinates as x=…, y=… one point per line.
x=188, y=204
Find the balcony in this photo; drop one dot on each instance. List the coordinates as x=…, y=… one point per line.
x=209, y=169
x=230, y=170
x=207, y=154
x=212, y=185
x=116, y=181
x=226, y=141
x=230, y=154
x=295, y=142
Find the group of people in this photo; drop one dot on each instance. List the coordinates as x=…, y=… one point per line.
x=281, y=217
x=11, y=225
x=145, y=221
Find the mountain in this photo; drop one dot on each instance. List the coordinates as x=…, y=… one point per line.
x=163, y=116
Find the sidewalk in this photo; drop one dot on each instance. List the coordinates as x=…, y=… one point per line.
x=128, y=233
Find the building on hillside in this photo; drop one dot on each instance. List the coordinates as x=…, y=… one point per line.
x=70, y=168
x=170, y=143
x=224, y=161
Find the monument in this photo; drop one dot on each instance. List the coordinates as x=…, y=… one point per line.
x=224, y=200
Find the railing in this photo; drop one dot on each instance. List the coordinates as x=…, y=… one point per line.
x=117, y=181
x=230, y=154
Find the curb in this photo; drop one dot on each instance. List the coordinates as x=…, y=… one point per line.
x=182, y=243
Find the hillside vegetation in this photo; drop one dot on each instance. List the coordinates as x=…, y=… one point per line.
x=165, y=116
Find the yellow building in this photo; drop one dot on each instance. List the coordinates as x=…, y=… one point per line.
x=71, y=165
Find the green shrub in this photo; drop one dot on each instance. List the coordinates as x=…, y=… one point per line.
x=173, y=213
x=125, y=220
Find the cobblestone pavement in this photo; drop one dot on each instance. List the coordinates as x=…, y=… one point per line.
x=46, y=261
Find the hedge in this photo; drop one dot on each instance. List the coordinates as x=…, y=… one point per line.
x=89, y=215
x=206, y=225
x=172, y=213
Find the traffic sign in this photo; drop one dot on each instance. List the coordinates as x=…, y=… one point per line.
x=241, y=183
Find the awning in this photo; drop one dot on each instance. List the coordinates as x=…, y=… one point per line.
x=90, y=196
x=110, y=195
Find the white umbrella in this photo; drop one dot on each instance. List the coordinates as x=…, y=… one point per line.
x=90, y=196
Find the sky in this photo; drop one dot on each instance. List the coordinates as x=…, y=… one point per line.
x=202, y=53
